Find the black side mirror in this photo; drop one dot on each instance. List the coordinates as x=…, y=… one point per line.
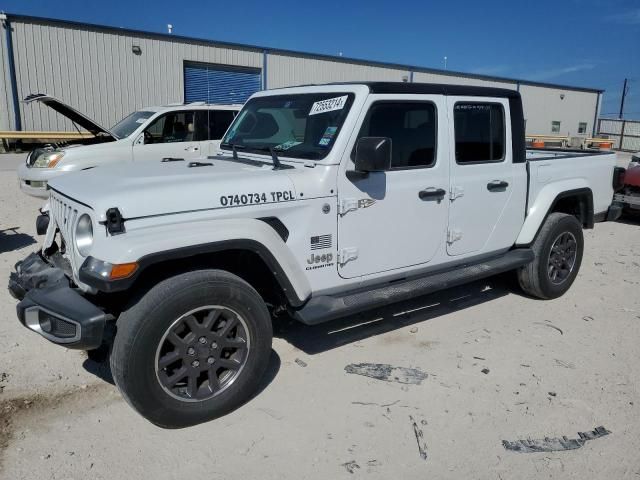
x=373, y=154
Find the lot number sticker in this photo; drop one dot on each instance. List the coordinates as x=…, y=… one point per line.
x=328, y=105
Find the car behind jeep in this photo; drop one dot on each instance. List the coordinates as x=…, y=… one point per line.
x=325, y=201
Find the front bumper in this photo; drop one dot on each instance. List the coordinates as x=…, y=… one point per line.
x=33, y=181
x=51, y=307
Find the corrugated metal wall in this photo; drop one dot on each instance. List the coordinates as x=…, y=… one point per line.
x=6, y=102
x=428, y=77
x=94, y=69
x=542, y=105
x=288, y=70
x=97, y=72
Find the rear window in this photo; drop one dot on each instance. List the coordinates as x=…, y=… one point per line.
x=479, y=132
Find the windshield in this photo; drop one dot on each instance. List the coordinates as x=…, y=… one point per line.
x=302, y=126
x=129, y=124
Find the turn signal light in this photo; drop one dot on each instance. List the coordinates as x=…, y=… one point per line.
x=122, y=270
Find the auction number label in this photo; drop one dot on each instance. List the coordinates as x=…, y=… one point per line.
x=255, y=198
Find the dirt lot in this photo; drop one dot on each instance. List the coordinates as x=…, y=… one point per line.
x=499, y=366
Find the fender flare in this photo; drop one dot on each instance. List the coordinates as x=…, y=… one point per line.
x=546, y=201
x=150, y=246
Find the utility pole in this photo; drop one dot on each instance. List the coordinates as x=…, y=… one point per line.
x=625, y=90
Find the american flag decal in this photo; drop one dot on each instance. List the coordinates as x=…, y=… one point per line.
x=321, y=241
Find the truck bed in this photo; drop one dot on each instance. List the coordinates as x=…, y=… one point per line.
x=552, y=171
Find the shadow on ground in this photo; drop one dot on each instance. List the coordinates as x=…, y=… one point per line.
x=11, y=239
x=337, y=333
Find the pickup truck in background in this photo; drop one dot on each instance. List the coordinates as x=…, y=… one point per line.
x=188, y=131
x=629, y=196
x=324, y=201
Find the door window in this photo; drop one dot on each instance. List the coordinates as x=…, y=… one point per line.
x=172, y=127
x=219, y=121
x=479, y=132
x=411, y=126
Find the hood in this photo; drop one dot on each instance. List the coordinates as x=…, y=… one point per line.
x=71, y=113
x=632, y=176
x=160, y=188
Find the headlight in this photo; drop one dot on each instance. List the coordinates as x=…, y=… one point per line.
x=84, y=235
x=48, y=160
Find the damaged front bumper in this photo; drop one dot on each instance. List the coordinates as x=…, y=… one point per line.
x=50, y=306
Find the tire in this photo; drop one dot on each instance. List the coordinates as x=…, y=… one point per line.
x=536, y=277
x=160, y=326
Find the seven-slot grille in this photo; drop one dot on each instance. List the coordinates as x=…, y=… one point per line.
x=65, y=215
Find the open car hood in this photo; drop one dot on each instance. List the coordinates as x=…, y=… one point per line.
x=71, y=113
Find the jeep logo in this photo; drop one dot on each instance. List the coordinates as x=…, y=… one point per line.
x=324, y=258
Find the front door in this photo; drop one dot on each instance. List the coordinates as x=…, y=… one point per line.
x=483, y=216
x=397, y=218
x=174, y=134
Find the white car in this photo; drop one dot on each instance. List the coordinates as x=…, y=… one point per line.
x=174, y=131
x=325, y=201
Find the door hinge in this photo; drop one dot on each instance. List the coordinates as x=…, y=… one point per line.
x=453, y=236
x=456, y=192
x=347, y=205
x=346, y=255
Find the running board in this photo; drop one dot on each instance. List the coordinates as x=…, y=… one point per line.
x=324, y=308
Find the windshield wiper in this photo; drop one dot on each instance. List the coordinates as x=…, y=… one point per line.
x=274, y=158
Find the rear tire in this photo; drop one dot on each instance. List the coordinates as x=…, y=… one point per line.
x=558, y=250
x=192, y=349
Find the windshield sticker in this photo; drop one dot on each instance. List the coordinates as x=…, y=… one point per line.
x=327, y=136
x=328, y=105
x=286, y=145
x=141, y=120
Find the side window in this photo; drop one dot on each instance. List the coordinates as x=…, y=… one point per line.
x=582, y=128
x=411, y=126
x=171, y=128
x=479, y=132
x=555, y=126
x=219, y=121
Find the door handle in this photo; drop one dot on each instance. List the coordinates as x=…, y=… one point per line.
x=497, y=186
x=432, y=193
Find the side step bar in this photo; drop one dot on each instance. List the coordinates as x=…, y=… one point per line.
x=324, y=308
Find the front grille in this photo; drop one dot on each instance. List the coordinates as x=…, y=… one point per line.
x=65, y=216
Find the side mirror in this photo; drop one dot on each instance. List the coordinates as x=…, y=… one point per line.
x=373, y=154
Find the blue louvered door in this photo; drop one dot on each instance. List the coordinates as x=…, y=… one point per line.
x=217, y=84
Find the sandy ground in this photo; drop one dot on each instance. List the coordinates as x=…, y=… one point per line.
x=499, y=367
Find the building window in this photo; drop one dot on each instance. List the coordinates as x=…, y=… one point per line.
x=582, y=127
x=555, y=126
x=479, y=132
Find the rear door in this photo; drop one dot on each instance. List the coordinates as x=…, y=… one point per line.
x=487, y=192
x=218, y=122
x=173, y=134
x=385, y=223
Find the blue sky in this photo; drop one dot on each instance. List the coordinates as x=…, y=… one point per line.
x=591, y=43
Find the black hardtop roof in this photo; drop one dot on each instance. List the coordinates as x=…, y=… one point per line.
x=435, y=89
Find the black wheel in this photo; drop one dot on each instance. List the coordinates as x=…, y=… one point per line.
x=558, y=252
x=192, y=349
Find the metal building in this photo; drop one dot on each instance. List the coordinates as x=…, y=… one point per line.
x=108, y=72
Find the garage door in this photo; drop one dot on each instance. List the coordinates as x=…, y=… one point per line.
x=216, y=84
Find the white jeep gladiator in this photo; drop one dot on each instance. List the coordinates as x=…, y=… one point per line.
x=323, y=201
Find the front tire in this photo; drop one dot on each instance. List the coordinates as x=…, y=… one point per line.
x=192, y=349
x=558, y=250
